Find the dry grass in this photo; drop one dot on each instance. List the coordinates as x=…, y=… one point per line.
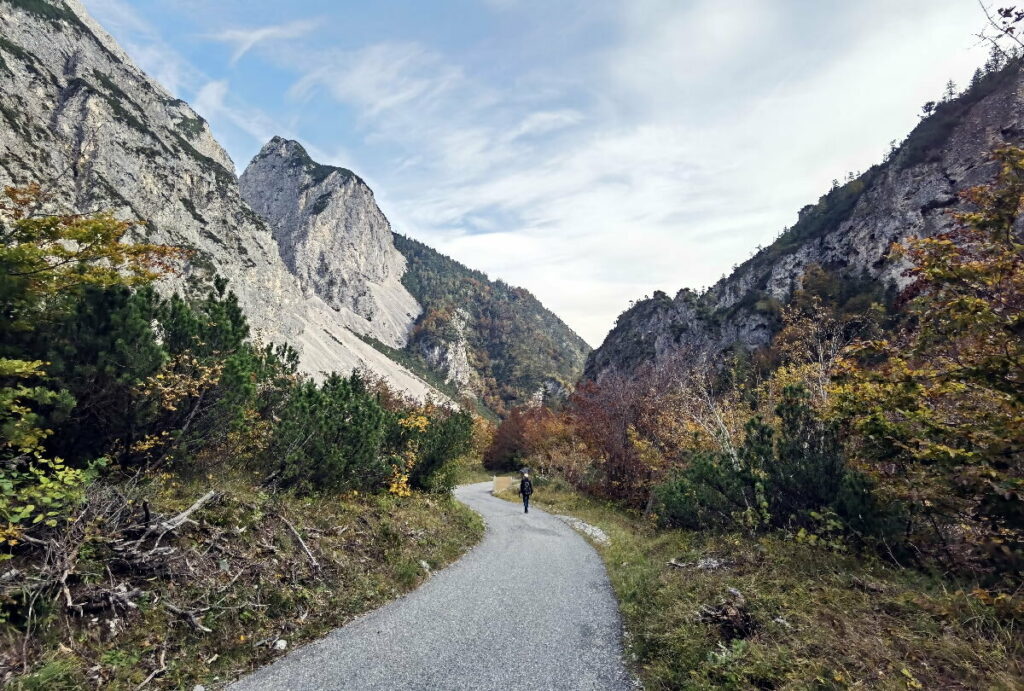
x=242, y=572
x=807, y=617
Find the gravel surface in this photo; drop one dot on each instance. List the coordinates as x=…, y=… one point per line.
x=530, y=607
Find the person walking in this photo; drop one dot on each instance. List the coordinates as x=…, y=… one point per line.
x=525, y=490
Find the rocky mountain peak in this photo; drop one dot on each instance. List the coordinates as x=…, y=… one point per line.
x=333, y=237
x=298, y=158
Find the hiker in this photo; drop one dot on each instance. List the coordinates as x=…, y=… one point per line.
x=525, y=490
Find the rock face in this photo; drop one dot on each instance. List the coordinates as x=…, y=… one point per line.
x=333, y=238
x=481, y=338
x=77, y=116
x=850, y=232
x=451, y=357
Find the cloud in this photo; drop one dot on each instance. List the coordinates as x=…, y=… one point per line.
x=647, y=144
x=546, y=121
x=697, y=140
x=145, y=45
x=213, y=101
x=380, y=77
x=245, y=40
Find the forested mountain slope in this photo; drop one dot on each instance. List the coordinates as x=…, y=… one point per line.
x=492, y=338
x=849, y=232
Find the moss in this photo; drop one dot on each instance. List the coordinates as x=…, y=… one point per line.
x=30, y=61
x=53, y=12
x=222, y=174
x=116, y=99
x=320, y=204
x=14, y=120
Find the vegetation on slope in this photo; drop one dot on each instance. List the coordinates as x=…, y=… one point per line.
x=924, y=143
x=514, y=344
x=174, y=497
x=861, y=478
x=733, y=610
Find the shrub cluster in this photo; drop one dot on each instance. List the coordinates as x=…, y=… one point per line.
x=871, y=419
x=97, y=369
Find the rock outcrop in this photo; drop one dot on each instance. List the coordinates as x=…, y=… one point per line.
x=481, y=338
x=333, y=237
x=78, y=117
x=849, y=232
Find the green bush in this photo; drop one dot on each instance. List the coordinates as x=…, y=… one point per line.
x=330, y=437
x=793, y=476
x=448, y=437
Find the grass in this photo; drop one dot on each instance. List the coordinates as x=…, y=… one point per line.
x=469, y=474
x=809, y=618
x=243, y=569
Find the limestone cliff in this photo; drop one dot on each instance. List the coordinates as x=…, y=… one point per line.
x=333, y=238
x=78, y=117
x=480, y=338
x=850, y=231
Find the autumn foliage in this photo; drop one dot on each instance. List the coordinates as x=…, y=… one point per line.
x=874, y=420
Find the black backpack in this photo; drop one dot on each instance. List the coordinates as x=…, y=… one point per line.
x=527, y=487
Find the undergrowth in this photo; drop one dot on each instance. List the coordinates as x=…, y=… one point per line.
x=228, y=587
x=705, y=610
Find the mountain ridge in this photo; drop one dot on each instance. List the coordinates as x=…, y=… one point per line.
x=98, y=133
x=484, y=339
x=849, y=231
x=321, y=272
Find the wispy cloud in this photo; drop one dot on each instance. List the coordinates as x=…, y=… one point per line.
x=145, y=45
x=379, y=77
x=245, y=40
x=651, y=145
x=214, y=102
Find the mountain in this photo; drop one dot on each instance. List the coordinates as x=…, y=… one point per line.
x=491, y=338
x=471, y=335
x=849, y=232
x=304, y=246
x=333, y=238
x=79, y=118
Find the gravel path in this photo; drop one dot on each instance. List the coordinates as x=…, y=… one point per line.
x=530, y=607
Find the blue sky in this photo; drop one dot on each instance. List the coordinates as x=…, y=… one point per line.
x=592, y=151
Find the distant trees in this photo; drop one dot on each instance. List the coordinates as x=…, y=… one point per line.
x=514, y=344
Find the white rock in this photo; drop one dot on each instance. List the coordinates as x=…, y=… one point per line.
x=333, y=237
x=83, y=120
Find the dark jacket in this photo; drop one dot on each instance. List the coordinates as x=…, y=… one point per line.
x=525, y=486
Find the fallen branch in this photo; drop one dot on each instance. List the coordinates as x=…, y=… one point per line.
x=159, y=670
x=189, y=616
x=312, y=560
x=176, y=522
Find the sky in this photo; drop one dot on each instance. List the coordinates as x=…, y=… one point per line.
x=591, y=151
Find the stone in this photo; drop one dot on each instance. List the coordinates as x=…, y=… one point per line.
x=333, y=237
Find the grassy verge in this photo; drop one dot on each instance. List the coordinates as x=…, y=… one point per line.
x=766, y=612
x=474, y=473
x=237, y=582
